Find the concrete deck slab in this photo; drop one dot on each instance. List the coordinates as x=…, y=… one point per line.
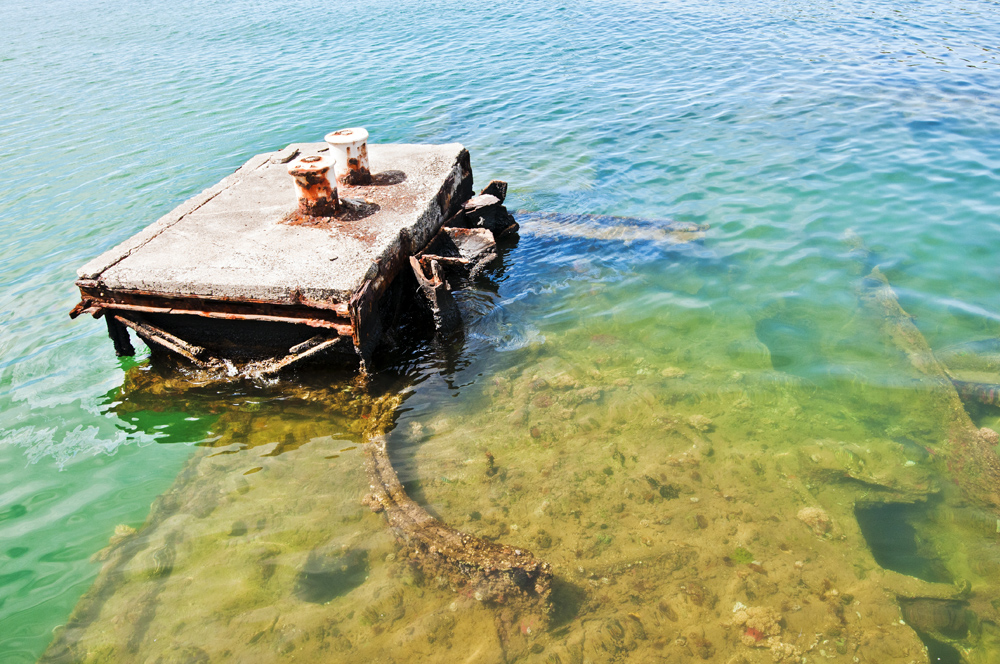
x=234, y=241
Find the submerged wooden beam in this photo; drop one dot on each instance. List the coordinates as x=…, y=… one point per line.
x=971, y=458
x=496, y=572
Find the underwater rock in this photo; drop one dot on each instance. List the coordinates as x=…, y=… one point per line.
x=761, y=627
x=817, y=519
x=883, y=465
x=612, y=639
x=611, y=229
x=989, y=436
x=667, y=611
x=699, y=595
x=749, y=354
x=159, y=562
x=758, y=623
x=122, y=533
x=974, y=369
x=700, y=423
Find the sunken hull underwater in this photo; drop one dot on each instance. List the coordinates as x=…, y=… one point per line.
x=244, y=274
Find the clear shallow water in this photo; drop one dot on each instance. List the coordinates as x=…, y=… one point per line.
x=781, y=125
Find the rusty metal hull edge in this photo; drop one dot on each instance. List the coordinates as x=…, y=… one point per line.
x=365, y=312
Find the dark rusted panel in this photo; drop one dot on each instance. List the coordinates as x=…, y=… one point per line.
x=438, y=295
x=367, y=322
x=366, y=305
x=451, y=204
x=496, y=188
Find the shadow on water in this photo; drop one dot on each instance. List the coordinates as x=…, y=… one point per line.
x=888, y=529
x=939, y=652
x=330, y=572
x=567, y=601
x=792, y=343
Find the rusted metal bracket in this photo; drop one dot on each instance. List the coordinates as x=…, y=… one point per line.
x=435, y=289
x=299, y=352
x=86, y=306
x=152, y=334
x=341, y=328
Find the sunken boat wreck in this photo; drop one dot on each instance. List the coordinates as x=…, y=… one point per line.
x=301, y=253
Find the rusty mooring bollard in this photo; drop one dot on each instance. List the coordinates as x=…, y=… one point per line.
x=350, y=149
x=317, y=198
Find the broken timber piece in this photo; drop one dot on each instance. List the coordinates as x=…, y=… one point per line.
x=243, y=272
x=496, y=188
x=436, y=291
x=487, y=211
x=463, y=252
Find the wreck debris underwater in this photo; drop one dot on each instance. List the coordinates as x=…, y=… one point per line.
x=683, y=538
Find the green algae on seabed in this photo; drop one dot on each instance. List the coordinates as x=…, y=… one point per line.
x=636, y=475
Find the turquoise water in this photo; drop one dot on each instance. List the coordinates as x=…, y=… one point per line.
x=781, y=125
